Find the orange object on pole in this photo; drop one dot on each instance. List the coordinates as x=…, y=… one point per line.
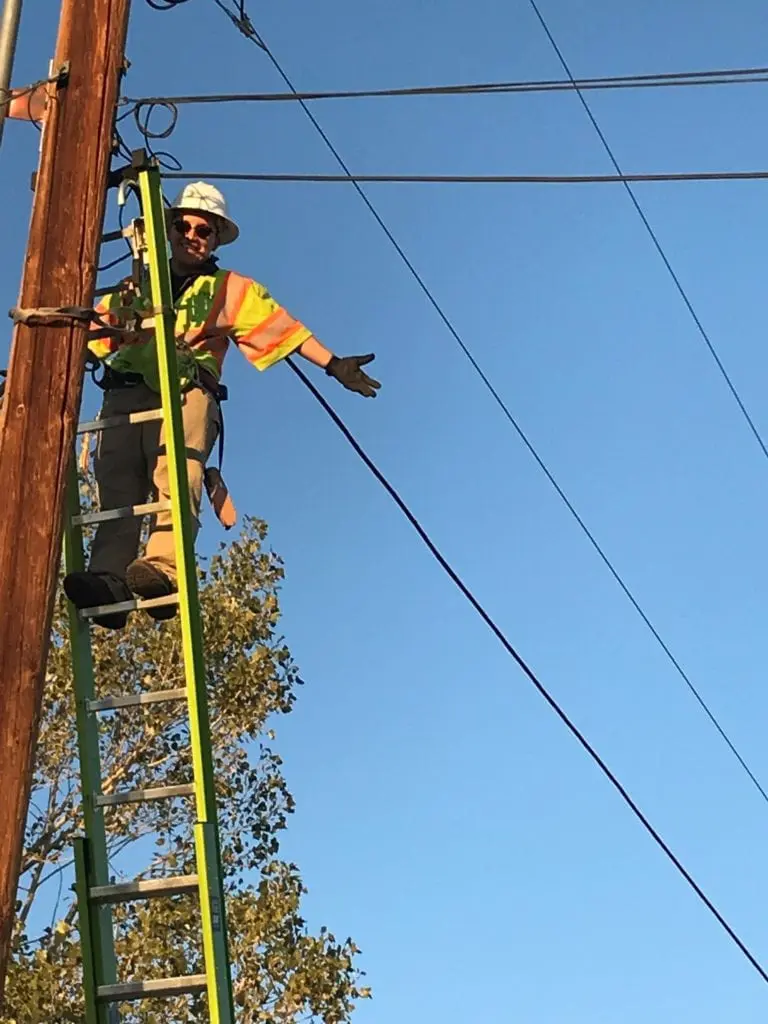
x=28, y=105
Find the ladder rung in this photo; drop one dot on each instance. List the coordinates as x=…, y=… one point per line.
x=127, y=990
x=128, y=512
x=90, y=426
x=137, y=796
x=128, y=606
x=140, y=889
x=135, y=699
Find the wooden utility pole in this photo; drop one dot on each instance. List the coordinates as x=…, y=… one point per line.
x=42, y=400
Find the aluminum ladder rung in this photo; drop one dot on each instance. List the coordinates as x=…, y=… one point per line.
x=135, y=700
x=128, y=606
x=137, y=796
x=127, y=512
x=128, y=990
x=142, y=889
x=91, y=426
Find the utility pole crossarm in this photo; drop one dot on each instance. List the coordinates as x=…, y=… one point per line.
x=42, y=397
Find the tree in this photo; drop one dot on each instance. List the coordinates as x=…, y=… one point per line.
x=281, y=973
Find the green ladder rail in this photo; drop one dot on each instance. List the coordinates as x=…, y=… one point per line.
x=95, y=894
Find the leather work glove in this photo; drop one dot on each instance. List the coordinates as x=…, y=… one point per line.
x=346, y=370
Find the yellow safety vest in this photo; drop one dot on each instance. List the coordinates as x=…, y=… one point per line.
x=213, y=310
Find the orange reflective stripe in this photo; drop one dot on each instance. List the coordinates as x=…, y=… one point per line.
x=279, y=326
x=102, y=347
x=263, y=360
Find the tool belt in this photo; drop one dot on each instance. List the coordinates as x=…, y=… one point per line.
x=216, y=489
x=116, y=380
x=113, y=380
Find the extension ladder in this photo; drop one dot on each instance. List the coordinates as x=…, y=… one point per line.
x=95, y=893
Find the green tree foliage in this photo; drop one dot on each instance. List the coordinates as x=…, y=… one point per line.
x=282, y=974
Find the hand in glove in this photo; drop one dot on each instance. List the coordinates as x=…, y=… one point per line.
x=346, y=370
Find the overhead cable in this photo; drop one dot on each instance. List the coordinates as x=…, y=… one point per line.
x=479, y=179
x=241, y=21
x=165, y=5
x=735, y=76
x=652, y=234
x=533, y=678
x=488, y=384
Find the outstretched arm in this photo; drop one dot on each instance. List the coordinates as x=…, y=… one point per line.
x=315, y=352
x=346, y=369
x=266, y=332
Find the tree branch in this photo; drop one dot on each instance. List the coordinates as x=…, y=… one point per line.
x=34, y=883
x=134, y=757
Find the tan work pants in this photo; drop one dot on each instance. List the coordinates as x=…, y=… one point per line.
x=131, y=466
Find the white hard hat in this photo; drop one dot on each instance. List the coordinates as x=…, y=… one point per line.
x=199, y=195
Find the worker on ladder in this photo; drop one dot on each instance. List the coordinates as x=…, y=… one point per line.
x=213, y=306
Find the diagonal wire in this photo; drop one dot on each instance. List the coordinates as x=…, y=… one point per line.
x=524, y=438
x=652, y=234
x=510, y=649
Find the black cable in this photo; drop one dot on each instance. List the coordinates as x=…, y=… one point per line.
x=523, y=436
x=142, y=112
x=114, y=263
x=121, y=225
x=481, y=179
x=510, y=649
x=653, y=236
x=122, y=148
x=737, y=76
x=165, y=5
x=242, y=22
x=164, y=159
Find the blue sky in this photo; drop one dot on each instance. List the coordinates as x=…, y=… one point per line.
x=445, y=818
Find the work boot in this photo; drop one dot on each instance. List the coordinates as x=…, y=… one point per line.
x=147, y=581
x=89, y=589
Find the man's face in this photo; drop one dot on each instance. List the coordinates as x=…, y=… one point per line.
x=194, y=236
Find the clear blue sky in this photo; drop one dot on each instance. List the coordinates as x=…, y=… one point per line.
x=445, y=818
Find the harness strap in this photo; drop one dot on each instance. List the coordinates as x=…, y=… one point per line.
x=208, y=383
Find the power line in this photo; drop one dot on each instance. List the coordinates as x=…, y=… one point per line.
x=735, y=76
x=519, y=430
x=480, y=179
x=659, y=248
x=510, y=649
x=165, y=5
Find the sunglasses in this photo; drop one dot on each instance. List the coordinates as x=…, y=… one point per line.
x=198, y=230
